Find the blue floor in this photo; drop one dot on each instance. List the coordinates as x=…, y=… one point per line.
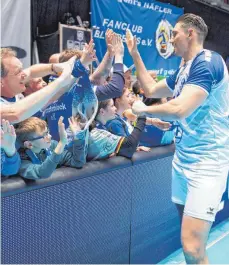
x=217, y=247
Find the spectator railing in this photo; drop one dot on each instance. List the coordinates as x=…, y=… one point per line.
x=111, y=211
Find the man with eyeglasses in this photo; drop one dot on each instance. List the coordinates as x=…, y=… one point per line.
x=14, y=107
x=200, y=108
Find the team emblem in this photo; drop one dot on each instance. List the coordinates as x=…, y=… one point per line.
x=163, y=35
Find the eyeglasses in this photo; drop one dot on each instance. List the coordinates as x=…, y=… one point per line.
x=45, y=135
x=16, y=73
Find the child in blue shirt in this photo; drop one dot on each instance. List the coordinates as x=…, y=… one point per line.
x=40, y=154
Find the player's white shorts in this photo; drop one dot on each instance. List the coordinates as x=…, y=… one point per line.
x=199, y=190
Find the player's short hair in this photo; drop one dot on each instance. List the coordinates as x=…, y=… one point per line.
x=193, y=21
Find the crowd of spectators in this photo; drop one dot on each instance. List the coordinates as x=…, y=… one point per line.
x=76, y=117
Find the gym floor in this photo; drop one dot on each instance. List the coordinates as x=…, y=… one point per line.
x=217, y=247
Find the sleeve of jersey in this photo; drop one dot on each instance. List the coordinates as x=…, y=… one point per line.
x=114, y=88
x=201, y=75
x=171, y=80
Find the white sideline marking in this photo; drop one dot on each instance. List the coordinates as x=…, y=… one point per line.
x=217, y=240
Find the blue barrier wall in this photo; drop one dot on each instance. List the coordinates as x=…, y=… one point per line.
x=111, y=211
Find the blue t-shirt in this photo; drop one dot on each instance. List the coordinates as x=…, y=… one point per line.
x=101, y=144
x=152, y=136
x=119, y=126
x=77, y=100
x=202, y=139
x=63, y=106
x=9, y=165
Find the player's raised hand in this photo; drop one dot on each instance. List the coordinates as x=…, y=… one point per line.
x=131, y=42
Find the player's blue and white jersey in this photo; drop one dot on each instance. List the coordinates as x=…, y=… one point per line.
x=202, y=139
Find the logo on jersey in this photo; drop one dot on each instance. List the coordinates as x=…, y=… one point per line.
x=163, y=35
x=178, y=133
x=179, y=85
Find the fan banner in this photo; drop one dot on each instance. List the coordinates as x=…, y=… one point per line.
x=152, y=22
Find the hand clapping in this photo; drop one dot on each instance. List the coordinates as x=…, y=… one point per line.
x=88, y=55
x=131, y=42
x=62, y=132
x=8, y=138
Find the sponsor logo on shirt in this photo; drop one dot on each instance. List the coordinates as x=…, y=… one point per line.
x=55, y=108
x=211, y=211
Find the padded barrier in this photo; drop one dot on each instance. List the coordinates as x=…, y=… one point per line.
x=111, y=211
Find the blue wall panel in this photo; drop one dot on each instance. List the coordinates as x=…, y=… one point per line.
x=85, y=221
x=155, y=222
x=121, y=216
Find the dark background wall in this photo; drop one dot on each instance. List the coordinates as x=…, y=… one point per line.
x=217, y=21
x=46, y=14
